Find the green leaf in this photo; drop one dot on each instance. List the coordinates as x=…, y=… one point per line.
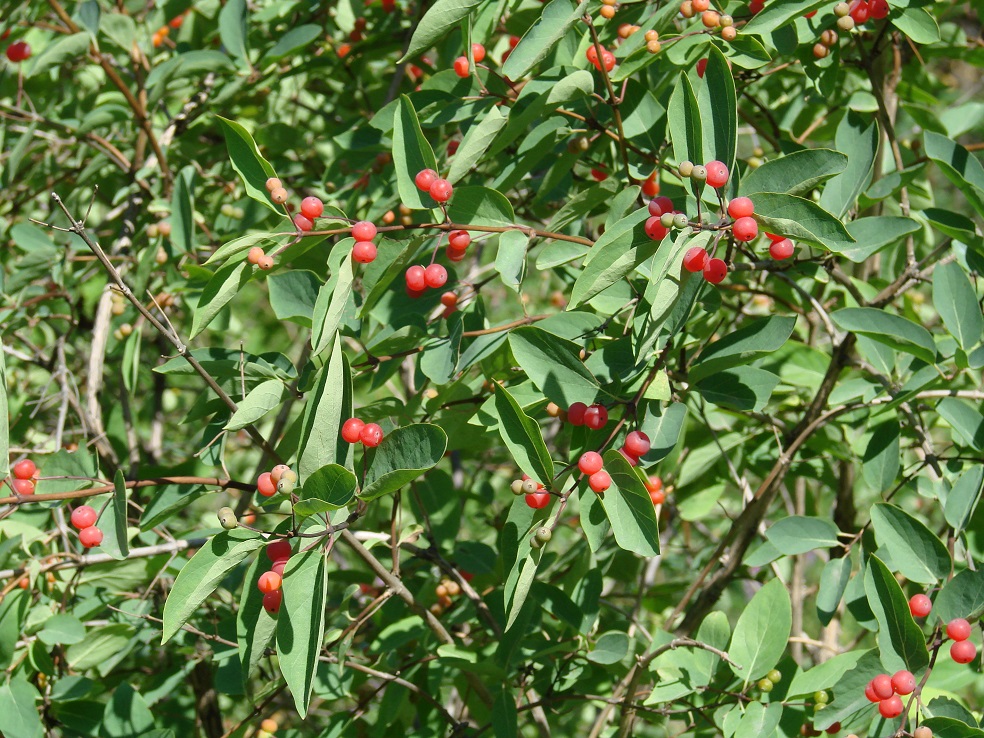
x=961, y=597
x=330, y=488
x=18, y=716
x=553, y=24
x=873, y=234
x=740, y=388
x=62, y=629
x=127, y=714
x=761, y=633
x=252, y=168
x=914, y=550
x=182, y=212
x=948, y=727
x=480, y=206
x=404, y=455
x=475, y=143
x=328, y=406
x=894, y=331
x=225, y=284
x=683, y=116
x=963, y=497
x=629, y=508
x=4, y=418
x=881, y=462
x=293, y=41
x=849, y=696
x=440, y=358
x=301, y=623
x=964, y=419
x=833, y=581
x=99, y=645
x=552, y=364
x=755, y=338
x=759, y=720
x=664, y=430
x=60, y=51
x=255, y=627
x=112, y=522
x=245, y=243
x=795, y=174
x=799, y=219
x=610, y=648
x=411, y=154
x=826, y=674
x=918, y=24
x=329, y=307
x=522, y=437
x=521, y=577
x=293, y=295
x=232, y=28
x=202, y=574
x=900, y=641
x=261, y=399
x=510, y=258
x=955, y=300
x=857, y=138
x=775, y=15
x=440, y=19
x=798, y=534
x=960, y=166
x=718, y=106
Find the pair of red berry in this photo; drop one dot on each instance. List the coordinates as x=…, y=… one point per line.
x=427, y=180
x=84, y=520
x=861, y=10
x=25, y=475
x=698, y=260
x=594, y=417
x=364, y=250
x=654, y=485
x=311, y=208
x=636, y=445
x=279, y=479
x=369, y=435
x=657, y=207
x=270, y=581
x=744, y=228
x=605, y=59
x=591, y=465
x=458, y=242
x=420, y=278
x=461, y=66
x=18, y=51
x=961, y=650
x=886, y=690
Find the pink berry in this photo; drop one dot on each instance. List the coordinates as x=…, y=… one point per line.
x=958, y=629
x=454, y=255
x=608, y=60
x=660, y=205
x=352, y=430
x=265, y=485
x=312, y=207
x=435, y=276
x=371, y=435
x=903, y=682
x=364, y=252
x=575, y=413
x=595, y=417
x=459, y=240
x=695, y=259
x=715, y=271
x=780, y=250
x=891, y=708
x=273, y=600
x=279, y=566
x=637, y=444
x=745, y=229
x=599, y=481
x=881, y=685
x=590, y=463
x=441, y=190
x=303, y=223
x=740, y=207
x=963, y=652
x=416, y=277
x=254, y=255
x=920, y=605
x=90, y=537
x=717, y=173
x=538, y=500
x=24, y=469
x=363, y=231
x=83, y=517
x=278, y=550
x=461, y=66
x=424, y=179
x=878, y=8
x=656, y=230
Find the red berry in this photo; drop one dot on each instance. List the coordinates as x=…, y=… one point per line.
x=878, y=9
x=269, y=581
x=881, y=685
x=424, y=179
x=363, y=231
x=963, y=652
x=654, y=484
x=90, y=537
x=83, y=517
x=891, y=708
x=715, y=271
x=278, y=550
x=958, y=629
x=834, y=729
x=454, y=255
x=24, y=469
x=478, y=52
x=590, y=463
x=459, y=240
x=461, y=66
x=608, y=60
x=650, y=187
x=860, y=11
x=441, y=190
x=658, y=497
x=272, y=601
x=869, y=692
x=435, y=276
x=371, y=435
x=596, y=417
x=656, y=230
x=660, y=205
x=599, y=175
x=416, y=277
x=599, y=481
x=920, y=605
x=717, y=173
x=575, y=413
x=745, y=229
x=303, y=223
x=538, y=500
x=740, y=207
x=695, y=259
x=278, y=566
x=364, y=252
x=265, y=485
x=23, y=486
x=352, y=430
x=592, y=54
x=701, y=67
x=782, y=249
x=637, y=444
x=903, y=682
x=18, y=51
x=632, y=460
x=312, y=207
x=449, y=299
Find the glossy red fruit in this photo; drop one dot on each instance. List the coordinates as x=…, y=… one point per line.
x=891, y=708
x=478, y=52
x=963, y=652
x=278, y=550
x=717, y=173
x=834, y=729
x=83, y=517
x=371, y=435
x=24, y=469
x=303, y=223
x=701, y=67
x=449, y=299
x=664, y=204
x=279, y=566
x=658, y=496
x=637, y=444
x=441, y=190
x=272, y=601
x=23, y=486
x=878, y=9
x=18, y=51
x=860, y=11
x=312, y=207
x=656, y=230
x=881, y=685
x=575, y=413
x=745, y=229
x=654, y=484
x=364, y=252
x=920, y=605
x=435, y=276
x=538, y=500
x=424, y=179
x=416, y=277
x=595, y=417
x=459, y=240
x=782, y=249
x=695, y=259
x=650, y=187
x=607, y=60
x=265, y=485
x=740, y=207
x=590, y=463
x=903, y=682
x=454, y=255
x=352, y=430
x=269, y=581
x=599, y=481
x=90, y=537
x=632, y=460
x=461, y=66
x=599, y=174
x=363, y=231
x=869, y=692
x=958, y=629
x=715, y=271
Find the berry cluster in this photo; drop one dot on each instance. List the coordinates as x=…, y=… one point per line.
x=369, y=435
x=654, y=485
x=594, y=417
x=420, y=278
x=427, y=180
x=445, y=591
x=279, y=479
x=19, y=51
x=25, y=477
x=161, y=228
x=710, y=18
x=270, y=581
x=636, y=445
x=770, y=680
x=961, y=650
x=888, y=691
x=591, y=465
x=364, y=250
x=535, y=498
x=162, y=33
x=84, y=521
x=604, y=58
x=461, y=65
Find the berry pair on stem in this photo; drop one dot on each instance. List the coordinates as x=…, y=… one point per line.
x=24, y=479
x=591, y=465
x=427, y=180
x=270, y=582
x=461, y=66
x=355, y=430
x=605, y=59
x=534, y=496
x=887, y=691
x=364, y=250
x=84, y=521
x=594, y=417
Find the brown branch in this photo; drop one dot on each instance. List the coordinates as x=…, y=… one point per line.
x=133, y=484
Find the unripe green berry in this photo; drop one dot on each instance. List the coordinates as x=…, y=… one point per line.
x=285, y=486
x=845, y=23
x=529, y=487
x=685, y=168
x=699, y=174
x=226, y=209
x=227, y=518
x=765, y=685
x=517, y=487
x=775, y=676
x=666, y=220
x=726, y=20
x=680, y=220
x=289, y=474
x=534, y=543
x=821, y=697
x=818, y=706
x=543, y=534
x=842, y=9
x=238, y=213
